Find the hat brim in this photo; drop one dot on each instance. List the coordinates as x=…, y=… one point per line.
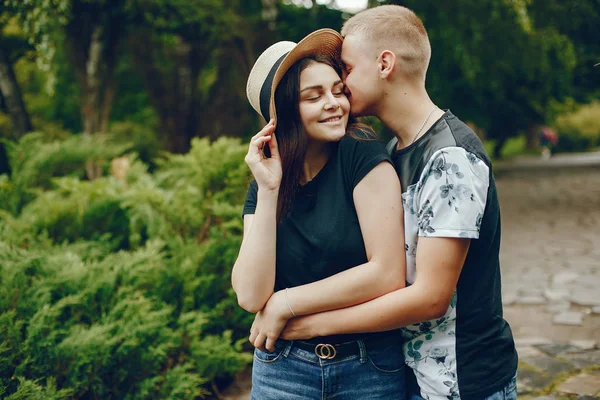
x=323, y=41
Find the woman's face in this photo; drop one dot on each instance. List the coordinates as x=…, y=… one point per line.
x=324, y=108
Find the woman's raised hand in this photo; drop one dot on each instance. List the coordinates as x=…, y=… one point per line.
x=267, y=171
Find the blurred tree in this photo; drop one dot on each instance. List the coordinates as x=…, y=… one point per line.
x=12, y=46
x=296, y=22
x=182, y=50
x=492, y=66
x=577, y=19
x=91, y=30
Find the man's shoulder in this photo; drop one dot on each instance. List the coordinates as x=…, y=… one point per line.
x=465, y=137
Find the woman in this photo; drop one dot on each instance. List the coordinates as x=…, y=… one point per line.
x=322, y=230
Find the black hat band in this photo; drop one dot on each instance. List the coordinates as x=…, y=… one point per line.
x=265, y=90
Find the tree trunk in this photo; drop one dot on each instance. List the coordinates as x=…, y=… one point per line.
x=174, y=93
x=532, y=137
x=12, y=96
x=93, y=35
x=91, y=106
x=269, y=13
x=498, y=147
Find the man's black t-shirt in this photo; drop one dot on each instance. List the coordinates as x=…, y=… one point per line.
x=321, y=234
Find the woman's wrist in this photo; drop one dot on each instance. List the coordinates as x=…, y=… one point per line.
x=268, y=196
x=279, y=304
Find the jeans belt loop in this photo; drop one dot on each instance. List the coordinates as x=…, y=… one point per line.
x=287, y=349
x=363, y=351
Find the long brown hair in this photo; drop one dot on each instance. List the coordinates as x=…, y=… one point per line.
x=291, y=137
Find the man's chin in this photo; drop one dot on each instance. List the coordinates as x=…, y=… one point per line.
x=357, y=113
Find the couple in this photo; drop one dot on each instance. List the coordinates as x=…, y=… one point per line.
x=332, y=236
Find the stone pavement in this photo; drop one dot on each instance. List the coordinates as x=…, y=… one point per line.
x=558, y=371
x=550, y=252
x=550, y=260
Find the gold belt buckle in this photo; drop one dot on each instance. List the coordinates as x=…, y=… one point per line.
x=325, y=351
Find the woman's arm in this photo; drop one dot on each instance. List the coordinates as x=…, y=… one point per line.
x=253, y=275
x=378, y=202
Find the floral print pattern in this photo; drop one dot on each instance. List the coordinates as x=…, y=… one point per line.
x=429, y=351
x=447, y=201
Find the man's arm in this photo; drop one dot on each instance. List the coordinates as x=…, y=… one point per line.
x=439, y=263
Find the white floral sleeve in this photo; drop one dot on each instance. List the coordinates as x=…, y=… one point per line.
x=452, y=193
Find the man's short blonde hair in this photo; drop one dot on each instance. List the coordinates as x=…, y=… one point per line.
x=394, y=28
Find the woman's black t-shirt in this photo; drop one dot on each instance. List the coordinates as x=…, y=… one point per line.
x=321, y=235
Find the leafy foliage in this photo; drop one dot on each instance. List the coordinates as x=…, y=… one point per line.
x=119, y=287
x=579, y=129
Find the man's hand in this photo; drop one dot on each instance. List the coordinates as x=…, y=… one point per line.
x=269, y=322
x=301, y=328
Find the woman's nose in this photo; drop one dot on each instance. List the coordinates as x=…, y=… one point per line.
x=332, y=102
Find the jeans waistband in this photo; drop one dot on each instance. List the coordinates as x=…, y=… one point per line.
x=328, y=351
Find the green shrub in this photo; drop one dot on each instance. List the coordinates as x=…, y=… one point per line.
x=36, y=159
x=579, y=130
x=144, y=141
x=119, y=287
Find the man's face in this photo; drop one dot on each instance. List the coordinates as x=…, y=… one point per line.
x=361, y=76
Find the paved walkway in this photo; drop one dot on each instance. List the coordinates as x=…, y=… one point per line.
x=550, y=261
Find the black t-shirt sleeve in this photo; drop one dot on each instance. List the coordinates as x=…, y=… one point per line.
x=360, y=157
x=251, y=199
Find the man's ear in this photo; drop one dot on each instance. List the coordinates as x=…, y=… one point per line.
x=386, y=63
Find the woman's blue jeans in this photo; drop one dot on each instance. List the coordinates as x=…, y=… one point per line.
x=292, y=373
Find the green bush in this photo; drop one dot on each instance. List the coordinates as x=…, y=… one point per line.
x=579, y=130
x=119, y=287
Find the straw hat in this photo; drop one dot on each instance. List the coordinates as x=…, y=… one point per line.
x=275, y=61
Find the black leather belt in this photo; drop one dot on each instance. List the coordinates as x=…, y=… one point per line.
x=328, y=351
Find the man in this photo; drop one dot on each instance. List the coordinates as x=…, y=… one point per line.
x=456, y=340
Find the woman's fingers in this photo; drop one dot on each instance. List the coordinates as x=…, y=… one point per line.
x=273, y=146
x=256, y=146
x=253, y=335
x=258, y=141
x=267, y=129
x=270, y=346
x=259, y=342
x=261, y=139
